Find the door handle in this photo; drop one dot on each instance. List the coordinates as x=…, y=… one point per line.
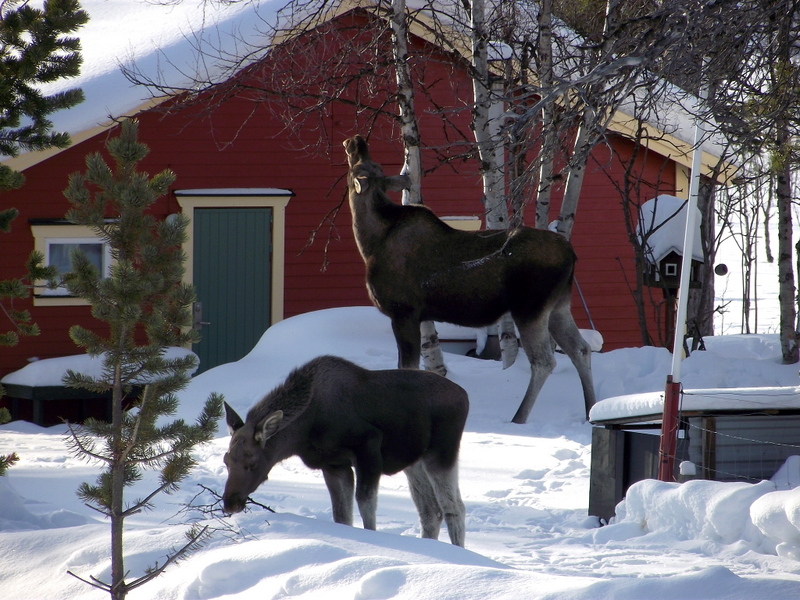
x=197, y=316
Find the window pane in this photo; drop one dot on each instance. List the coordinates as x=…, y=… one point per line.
x=60, y=255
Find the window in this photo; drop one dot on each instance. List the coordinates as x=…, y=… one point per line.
x=59, y=254
x=671, y=270
x=56, y=239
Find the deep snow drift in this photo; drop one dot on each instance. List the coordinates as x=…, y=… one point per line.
x=525, y=488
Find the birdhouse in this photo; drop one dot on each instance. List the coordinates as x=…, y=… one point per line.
x=666, y=272
x=661, y=229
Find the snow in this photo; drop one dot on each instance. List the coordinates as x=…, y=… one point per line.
x=650, y=404
x=665, y=217
x=50, y=371
x=525, y=488
x=161, y=39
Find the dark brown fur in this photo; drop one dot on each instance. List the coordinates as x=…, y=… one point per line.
x=420, y=269
x=337, y=416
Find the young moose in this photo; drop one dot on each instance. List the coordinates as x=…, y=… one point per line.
x=337, y=416
x=420, y=269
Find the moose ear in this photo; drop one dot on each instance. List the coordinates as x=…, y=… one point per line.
x=234, y=420
x=268, y=427
x=360, y=184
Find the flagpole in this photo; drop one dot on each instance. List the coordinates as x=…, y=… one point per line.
x=670, y=421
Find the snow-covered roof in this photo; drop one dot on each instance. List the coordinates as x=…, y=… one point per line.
x=161, y=39
x=649, y=405
x=49, y=372
x=665, y=217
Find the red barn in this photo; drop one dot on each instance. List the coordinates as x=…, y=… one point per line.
x=266, y=240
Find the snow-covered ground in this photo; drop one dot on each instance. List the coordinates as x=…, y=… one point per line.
x=525, y=488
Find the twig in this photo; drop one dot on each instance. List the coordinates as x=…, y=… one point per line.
x=214, y=511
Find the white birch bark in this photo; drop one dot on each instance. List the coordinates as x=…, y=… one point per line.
x=487, y=113
x=550, y=139
x=577, y=170
x=412, y=165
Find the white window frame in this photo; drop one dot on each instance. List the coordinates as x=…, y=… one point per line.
x=44, y=236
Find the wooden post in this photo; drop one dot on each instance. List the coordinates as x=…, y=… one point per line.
x=669, y=431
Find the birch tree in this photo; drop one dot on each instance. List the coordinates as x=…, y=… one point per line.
x=487, y=111
x=550, y=131
x=412, y=163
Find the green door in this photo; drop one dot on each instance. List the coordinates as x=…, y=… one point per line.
x=232, y=274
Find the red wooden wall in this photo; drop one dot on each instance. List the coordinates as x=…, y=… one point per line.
x=211, y=149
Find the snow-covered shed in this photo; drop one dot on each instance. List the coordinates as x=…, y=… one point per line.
x=732, y=434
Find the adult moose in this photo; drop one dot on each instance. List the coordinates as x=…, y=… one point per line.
x=335, y=416
x=420, y=269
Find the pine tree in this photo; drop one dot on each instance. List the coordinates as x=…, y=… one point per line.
x=35, y=49
x=143, y=298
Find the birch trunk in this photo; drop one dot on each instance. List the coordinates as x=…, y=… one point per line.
x=590, y=120
x=412, y=165
x=549, y=139
x=486, y=117
x=577, y=170
x=782, y=169
x=701, y=301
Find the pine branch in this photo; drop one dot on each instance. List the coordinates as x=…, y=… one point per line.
x=7, y=461
x=195, y=542
x=82, y=447
x=92, y=581
x=142, y=504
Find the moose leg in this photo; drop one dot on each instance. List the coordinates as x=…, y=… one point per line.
x=445, y=486
x=424, y=497
x=566, y=334
x=407, y=335
x=368, y=475
x=339, y=481
x=535, y=339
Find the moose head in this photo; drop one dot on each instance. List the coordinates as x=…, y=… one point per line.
x=366, y=176
x=248, y=459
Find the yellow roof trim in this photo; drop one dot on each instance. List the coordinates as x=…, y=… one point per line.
x=669, y=146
